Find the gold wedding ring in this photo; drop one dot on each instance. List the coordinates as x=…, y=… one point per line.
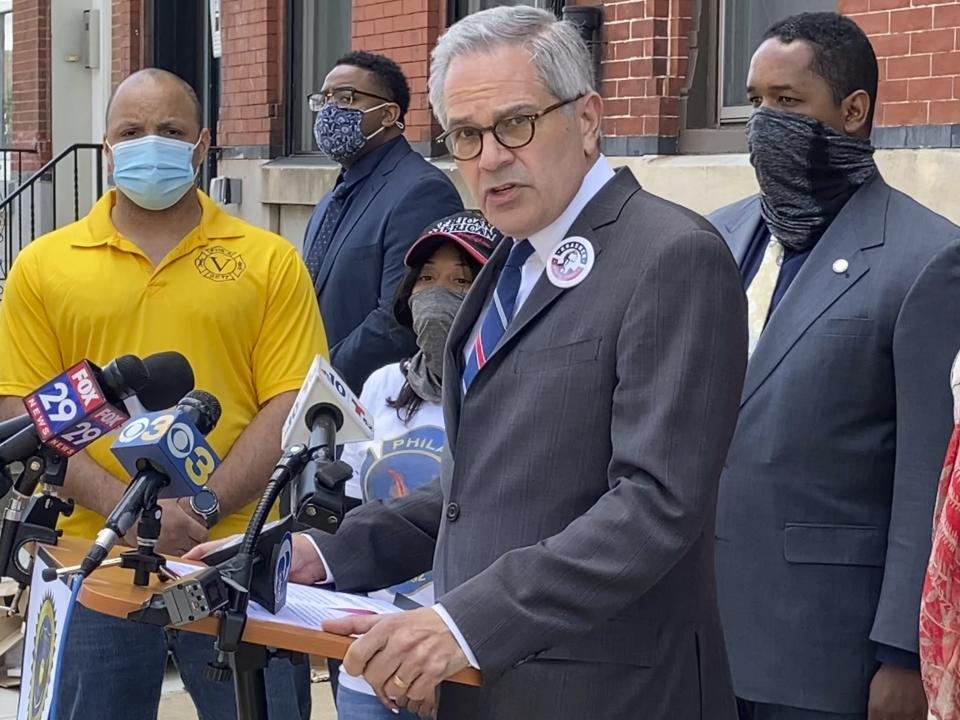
x=399, y=683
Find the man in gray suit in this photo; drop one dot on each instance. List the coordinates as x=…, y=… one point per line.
x=825, y=505
x=601, y=354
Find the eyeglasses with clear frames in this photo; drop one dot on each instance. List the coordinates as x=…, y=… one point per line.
x=343, y=97
x=514, y=132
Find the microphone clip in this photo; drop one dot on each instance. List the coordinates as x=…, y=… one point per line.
x=324, y=507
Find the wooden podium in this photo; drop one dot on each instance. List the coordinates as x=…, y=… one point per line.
x=111, y=591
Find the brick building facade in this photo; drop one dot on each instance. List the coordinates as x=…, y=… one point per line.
x=671, y=73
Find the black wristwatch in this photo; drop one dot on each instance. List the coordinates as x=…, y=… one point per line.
x=206, y=504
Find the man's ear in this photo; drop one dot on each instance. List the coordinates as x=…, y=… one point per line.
x=855, y=113
x=203, y=148
x=391, y=114
x=108, y=154
x=589, y=115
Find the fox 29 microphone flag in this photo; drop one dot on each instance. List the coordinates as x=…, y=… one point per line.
x=71, y=411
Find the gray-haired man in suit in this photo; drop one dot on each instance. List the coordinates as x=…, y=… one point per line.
x=824, y=514
x=600, y=358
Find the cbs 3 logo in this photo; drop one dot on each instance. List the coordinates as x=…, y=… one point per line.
x=180, y=439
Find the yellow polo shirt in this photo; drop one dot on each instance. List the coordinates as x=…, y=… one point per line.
x=236, y=300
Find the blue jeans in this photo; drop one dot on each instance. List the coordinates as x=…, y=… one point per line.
x=352, y=705
x=114, y=668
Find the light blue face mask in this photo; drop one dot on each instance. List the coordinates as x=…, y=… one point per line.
x=153, y=171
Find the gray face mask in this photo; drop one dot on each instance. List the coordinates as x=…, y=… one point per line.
x=807, y=171
x=433, y=311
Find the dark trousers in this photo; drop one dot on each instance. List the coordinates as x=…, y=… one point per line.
x=749, y=710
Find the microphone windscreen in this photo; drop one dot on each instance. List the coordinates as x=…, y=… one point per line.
x=207, y=407
x=126, y=375
x=171, y=377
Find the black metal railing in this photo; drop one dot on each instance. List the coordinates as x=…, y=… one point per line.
x=13, y=172
x=19, y=222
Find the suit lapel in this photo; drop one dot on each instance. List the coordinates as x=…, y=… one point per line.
x=860, y=225
x=741, y=230
x=602, y=210
x=357, y=208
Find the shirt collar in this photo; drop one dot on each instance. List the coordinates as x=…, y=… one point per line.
x=215, y=224
x=366, y=165
x=544, y=241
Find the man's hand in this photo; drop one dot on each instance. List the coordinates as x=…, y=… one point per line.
x=306, y=567
x=897, y=694
x=404, y=656
x=179, y=530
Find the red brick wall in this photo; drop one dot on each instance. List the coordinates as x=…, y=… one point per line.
x=644, y=65
x=31, y=119
x=128, y=39
x=406, y=31
x=251, y=96
x=918, y=47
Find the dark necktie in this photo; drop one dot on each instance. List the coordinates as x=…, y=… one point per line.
x=318, y=248
x=499, y=313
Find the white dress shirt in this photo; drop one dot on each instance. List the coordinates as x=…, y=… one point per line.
x=544, y=242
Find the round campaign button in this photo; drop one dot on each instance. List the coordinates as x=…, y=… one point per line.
x=570, y=262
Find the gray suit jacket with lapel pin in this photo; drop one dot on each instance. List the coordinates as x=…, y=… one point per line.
x=571, y=532
x=826, y=501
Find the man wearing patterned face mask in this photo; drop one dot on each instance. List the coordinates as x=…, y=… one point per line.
x=825, y=502
x=360, y=231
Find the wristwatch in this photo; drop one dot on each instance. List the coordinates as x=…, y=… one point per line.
x=206, y=504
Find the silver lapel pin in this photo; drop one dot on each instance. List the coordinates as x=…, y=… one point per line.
x=840, y=266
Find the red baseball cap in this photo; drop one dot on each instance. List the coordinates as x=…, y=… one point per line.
x=468, y=229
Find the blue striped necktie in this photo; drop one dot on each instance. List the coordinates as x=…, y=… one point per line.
x=499, y=313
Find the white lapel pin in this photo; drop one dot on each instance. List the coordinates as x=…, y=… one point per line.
x=570, y=262
x=840, y=266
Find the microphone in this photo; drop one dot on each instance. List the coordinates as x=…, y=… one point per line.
x=80, y=405
x=168, y=457
x=324, y=414
x=324, y=394
x=9, y=428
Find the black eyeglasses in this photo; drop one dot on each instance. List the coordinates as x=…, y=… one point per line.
x=343, y=97
x=514, y=132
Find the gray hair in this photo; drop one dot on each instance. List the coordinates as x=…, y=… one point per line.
x=560, y=55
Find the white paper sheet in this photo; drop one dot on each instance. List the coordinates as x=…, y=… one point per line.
x=308, y=606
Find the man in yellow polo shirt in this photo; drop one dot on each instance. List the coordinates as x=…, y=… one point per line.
x=155, y=266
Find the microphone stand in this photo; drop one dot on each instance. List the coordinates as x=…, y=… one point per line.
x=225, y=588
x=246, y=662
x=30, y=518
x=145, y=560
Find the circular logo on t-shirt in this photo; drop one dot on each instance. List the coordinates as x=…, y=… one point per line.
x=570, y=262
x=404, y=464
x=219, y=264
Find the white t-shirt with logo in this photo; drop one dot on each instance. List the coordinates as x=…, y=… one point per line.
x=401, y=458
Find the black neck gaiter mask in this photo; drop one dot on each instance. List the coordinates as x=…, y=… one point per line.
x=807, y=172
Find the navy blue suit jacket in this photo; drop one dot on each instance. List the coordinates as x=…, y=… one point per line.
x=826, y=499
x=360, y=272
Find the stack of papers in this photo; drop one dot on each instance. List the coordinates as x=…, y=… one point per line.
x=308, y=605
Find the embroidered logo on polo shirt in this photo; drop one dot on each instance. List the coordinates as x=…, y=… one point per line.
x=219, y=264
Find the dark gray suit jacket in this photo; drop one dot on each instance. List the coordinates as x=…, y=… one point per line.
x=573, y=522
x=826, y=501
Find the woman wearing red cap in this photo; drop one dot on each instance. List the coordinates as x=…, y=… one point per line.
x=404, y=399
